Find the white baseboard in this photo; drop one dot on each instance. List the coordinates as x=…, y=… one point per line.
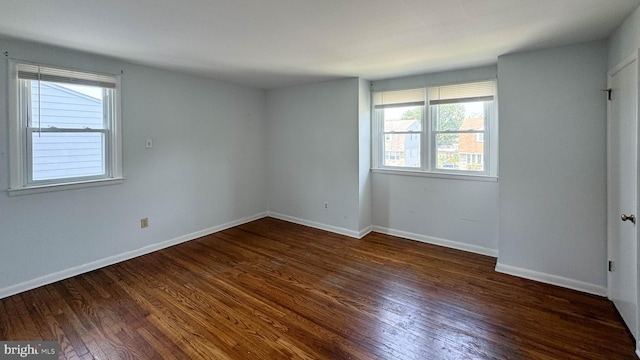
x=552, y=279
x=317, y=225
x=77, y=270
x=437, y=241
x=364, y=232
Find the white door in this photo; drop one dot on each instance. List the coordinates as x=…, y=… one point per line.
x=622, y=192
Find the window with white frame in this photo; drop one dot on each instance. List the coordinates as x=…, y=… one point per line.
x=442, y=129
x=400, y=117
x=65, y=127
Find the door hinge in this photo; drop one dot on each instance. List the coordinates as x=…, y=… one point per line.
x=608, y=93
x=610, y=265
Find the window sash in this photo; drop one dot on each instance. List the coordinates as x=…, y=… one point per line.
x=433, y=166
x=29, y=147
x=394, y=99
x=29, y=123
x=25, y=109
x=435, y=150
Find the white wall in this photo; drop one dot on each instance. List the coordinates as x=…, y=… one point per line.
x=313, y=155
x=626, y=40
x=553, y=165
x=456, y=213
x=205, y=171
x=364, y=155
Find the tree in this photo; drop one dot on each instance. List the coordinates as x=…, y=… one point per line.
x=412, y=114
x=449, y=117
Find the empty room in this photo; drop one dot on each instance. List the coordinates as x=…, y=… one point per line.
x=297, y=179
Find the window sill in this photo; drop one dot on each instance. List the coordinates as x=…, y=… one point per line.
x=67, y=186
x=437, y=175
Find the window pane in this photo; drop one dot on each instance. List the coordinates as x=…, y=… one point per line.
x=459, y=152
x=66, y=106
x=63, y=155
x=459, y=116
x=402, y=119
x=402, y=150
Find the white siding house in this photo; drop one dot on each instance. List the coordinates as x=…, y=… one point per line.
x=65, y=154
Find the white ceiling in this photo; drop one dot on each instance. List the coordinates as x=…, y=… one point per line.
x=276, y=43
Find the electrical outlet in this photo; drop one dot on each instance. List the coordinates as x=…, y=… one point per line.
x=326, y=205
x=144, y=223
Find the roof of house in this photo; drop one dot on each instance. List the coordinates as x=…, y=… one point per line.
x=400, y=125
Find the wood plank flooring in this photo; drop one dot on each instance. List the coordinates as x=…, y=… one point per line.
x=275, y=290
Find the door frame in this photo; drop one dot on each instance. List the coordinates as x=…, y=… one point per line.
x=634, y=57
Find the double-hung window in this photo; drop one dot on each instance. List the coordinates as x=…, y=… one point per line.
x=439, y=129
x=400, y=117
x=65, y=128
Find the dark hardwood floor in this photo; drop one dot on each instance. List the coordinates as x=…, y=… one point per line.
x=275, y=290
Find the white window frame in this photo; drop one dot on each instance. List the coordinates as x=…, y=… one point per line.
x=20, y=134
x=428, y=155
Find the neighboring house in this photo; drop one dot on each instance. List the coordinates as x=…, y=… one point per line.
x=65, y=154
x=471, y=146
x=468, y=152
x=402, y=149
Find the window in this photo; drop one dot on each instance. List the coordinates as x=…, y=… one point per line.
x=401, y=120
x=447, y=129
x=65, y=128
